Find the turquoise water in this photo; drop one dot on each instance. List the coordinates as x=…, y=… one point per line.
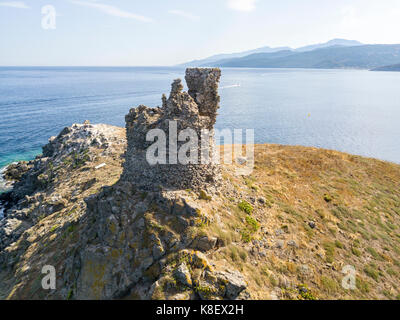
x=347, y=110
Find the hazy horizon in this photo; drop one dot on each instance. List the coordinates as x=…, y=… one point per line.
x=126, y=33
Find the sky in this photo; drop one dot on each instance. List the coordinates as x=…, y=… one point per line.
x=168, y=32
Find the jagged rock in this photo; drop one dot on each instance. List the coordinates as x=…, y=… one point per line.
x=15, y=171
x=195, y=110
x=244, y=295
x=204, y=195
x=56, y=204
x=274, y=295
x=199, y=260
x=262, y=200
x=241, y=160
x=207, y=291
x=279, y=244
x=158, y=251
x=262, y=253
x=304, y=269
x=133, y=237
x=182, y=275
x=284, y=282
x=205, y=243
x=292, y=244
x=181, y=296
x=234, y=282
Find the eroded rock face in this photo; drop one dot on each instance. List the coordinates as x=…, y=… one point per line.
x=32, y=197
x=129, y=239
x=138, y=235
x=195, y=110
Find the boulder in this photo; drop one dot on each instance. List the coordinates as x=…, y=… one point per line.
x=234, y=282
x=182, y=275
x=205, y=243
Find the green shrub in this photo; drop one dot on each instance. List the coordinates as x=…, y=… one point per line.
x=305, y=293
x=328, y=198
x=204, y=196
x=80, y=159
x=70, y=294
x=338, y=244
x=54, y=228
x=356, y=252
x=246, y=236
x=330, y=285
x=329, y=251
x=375, y=254
x=370, y=271
x=246, y=207
x=362, y=285
x=253, y=224
x=391, y=272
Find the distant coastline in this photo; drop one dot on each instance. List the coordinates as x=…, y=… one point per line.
x=392, y=68
x=334, y=54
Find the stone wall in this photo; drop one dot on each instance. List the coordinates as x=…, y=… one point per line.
x=195, y=109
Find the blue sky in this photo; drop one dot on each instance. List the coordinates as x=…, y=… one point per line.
x=167, y=32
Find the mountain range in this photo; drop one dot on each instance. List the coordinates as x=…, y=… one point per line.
x=395, y=67
x=334, y=54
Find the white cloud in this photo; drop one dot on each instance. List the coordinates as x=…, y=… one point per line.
x=184, y=14
x=369, y=22
x=349, y=17
x=242, y=5
x=14, y=4
x=112, y=11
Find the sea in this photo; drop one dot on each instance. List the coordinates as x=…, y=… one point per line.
x=354, y=111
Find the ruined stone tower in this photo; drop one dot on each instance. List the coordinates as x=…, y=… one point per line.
x=195, y=110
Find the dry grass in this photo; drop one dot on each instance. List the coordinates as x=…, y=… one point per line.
x=353, y=201
x=355, y=204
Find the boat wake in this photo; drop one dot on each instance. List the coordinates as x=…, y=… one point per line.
x=231, y=86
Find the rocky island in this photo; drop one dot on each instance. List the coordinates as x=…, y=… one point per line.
x=115, y=227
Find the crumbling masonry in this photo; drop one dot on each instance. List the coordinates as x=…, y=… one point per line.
x=196, y=110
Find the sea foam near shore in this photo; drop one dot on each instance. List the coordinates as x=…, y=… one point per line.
x=4, y=186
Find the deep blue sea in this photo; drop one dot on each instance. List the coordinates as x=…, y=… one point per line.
x=347, y=110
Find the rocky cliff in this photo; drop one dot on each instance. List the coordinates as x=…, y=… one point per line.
x=115, y=227
x=139, y=237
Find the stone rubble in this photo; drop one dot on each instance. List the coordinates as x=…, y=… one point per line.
x=131, y=238
x=196, y=110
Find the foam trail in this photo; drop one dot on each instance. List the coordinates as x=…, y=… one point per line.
x=231, y=86
x=4, y=186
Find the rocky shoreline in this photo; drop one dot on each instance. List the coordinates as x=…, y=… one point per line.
x=141, y=233
x=91, y=207
x=4, y=184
